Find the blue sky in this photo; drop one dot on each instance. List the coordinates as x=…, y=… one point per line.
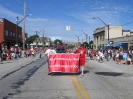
x=54, y=15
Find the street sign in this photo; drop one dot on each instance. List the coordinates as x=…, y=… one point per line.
x=68, y=28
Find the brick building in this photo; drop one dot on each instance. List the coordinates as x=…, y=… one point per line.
x=10, y=33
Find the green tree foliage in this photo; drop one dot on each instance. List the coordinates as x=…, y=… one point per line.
x=70, y=46
x=31, y=39
x=91, y=44
x=57, y=41
x=85, y=44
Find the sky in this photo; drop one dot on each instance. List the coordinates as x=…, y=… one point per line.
x=54, y=15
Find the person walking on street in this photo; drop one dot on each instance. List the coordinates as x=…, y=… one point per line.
x=50, y=51
x=40, y=53
x=82, y=58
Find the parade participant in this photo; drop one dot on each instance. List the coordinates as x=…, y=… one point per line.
x=101, y=56
x=83, y=57
x=50, y=51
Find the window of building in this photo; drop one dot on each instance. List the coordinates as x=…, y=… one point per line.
x=19, y=36
x=11, y=34
x=103, y=38
x=95, y=39
x=6, y=33
x=100, y=37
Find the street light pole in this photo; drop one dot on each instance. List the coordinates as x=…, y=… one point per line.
x=36, y=37
x=16, y=31
x=85, y=35
x=78, y=39
x=43, y=40
x=105, y=24
x=17, y=23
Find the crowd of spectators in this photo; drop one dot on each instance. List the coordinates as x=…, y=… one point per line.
x=118, y=55
x=15, y=53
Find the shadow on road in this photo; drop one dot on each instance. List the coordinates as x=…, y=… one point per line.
x=109, y=73
x=22, y=80
x=67, y=74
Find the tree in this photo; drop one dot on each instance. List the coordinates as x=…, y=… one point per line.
x=70, y=46
x=31, y=39
x=91, y=44
x=85, y=44
x=57, y=41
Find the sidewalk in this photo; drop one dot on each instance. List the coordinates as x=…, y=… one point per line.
x=22, y=60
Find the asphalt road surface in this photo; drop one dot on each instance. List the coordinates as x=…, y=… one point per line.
x=28, y=78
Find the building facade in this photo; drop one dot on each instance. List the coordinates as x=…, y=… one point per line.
x=10, y=33
x=41, y=42
x=116, y=35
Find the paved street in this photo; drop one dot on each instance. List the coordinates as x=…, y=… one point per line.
x=28, y=79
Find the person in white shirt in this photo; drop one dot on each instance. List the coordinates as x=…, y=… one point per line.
x=129, y=60
x=101, y=56
x=50, y=51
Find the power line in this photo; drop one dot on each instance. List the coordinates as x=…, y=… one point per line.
x=127, y=23
x=19, y=3
x=7, y=8
x=5, y=14
x=28, y=10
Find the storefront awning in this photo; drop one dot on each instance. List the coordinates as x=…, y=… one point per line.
x=106, y=47
x=120, y=44
x=116, y=44
x=124, y=44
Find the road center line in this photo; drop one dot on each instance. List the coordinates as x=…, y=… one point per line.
x=76, y=88
x=80, y=91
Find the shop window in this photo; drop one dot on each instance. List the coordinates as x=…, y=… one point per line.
x=103, y=37
x=19, y=36
x=100, y=37
x=11, y=34
x=6, y=33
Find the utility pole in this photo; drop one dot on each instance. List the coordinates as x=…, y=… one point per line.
x=16, y=31
x=89, y=39
x=106, y=25
x=78, y=39
x=85, y=35
x=36, y=38
x=24, y=25
x=37, y=35
x=43, y=39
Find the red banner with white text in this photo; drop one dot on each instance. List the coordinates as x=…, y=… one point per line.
x=67, y=63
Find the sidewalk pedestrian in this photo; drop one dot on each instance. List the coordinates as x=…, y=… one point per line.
x=40, y=53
